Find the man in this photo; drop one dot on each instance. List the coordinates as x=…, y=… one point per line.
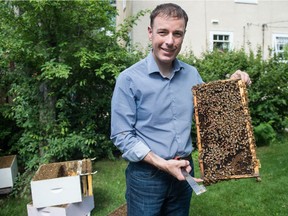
x=152, y=109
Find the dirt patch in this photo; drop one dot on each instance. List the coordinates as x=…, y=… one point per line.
x=6, y=161
x=121, y=211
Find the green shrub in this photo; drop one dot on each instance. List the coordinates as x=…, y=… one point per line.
x=264, y=134
x=268, y=93
x=58, y=62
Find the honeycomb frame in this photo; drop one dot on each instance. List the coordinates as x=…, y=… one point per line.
x=225, y=137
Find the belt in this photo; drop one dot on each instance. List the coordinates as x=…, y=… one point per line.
x=188, y=157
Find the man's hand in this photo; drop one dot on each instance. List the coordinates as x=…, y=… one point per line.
x=173, y=167
x=241, y=75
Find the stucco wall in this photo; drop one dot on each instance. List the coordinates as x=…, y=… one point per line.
x=245, y=21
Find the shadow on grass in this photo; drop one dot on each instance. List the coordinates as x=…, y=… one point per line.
x=109, y=186
x=102, y=199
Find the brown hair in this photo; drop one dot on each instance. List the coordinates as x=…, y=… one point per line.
x=169, y=10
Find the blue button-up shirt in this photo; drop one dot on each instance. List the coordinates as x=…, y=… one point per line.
x=153, y=113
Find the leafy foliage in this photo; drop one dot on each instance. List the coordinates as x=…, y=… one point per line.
x=58, y=64
x=267, y=94
x=264, y=134
x=59, y=60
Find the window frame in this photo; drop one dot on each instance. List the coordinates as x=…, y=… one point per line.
x=224, y=33
x=275, y=44
x=246, y=1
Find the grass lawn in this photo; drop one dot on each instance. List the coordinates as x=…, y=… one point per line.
x=247, y=196
x=234, y=197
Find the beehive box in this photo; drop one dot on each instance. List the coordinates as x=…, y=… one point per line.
x=225, y=136
x=8, y=171
x=61, y=183
x=73, y=209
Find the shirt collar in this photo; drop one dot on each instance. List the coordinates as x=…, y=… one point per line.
x=153, y=67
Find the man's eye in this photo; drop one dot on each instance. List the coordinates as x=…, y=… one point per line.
x=162, y=33
x=178, y=34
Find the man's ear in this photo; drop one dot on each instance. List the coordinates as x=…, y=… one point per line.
x=150, y=32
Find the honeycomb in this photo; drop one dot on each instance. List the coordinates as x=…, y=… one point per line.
x=225, y=136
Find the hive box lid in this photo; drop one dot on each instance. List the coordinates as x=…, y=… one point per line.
x=73, y=209
x=8, y=171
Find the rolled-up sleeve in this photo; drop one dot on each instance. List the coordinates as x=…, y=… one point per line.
x=123, y=119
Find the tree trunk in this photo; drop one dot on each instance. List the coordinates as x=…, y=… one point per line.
x=47, y=115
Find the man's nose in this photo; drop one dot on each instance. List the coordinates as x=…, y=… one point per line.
x=169, y=39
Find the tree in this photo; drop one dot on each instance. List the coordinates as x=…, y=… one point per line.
x=60, y=60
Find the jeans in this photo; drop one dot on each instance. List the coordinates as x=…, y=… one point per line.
x=152, y=192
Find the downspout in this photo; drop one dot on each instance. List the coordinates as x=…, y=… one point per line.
x=205, y=17
x=244, y=37
x=263, y=39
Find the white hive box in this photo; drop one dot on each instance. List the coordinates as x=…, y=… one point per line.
x=49, y=188
x=8, y=171
x=56, y=191
x=73, y=209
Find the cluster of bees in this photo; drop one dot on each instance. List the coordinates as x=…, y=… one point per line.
x=64, y=169
x=224, y=133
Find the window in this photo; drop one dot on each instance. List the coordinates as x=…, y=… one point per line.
x=279, y=42
x=221, y=40
x=246, y=1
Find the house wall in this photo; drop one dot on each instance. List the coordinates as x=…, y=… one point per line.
x=252, y=25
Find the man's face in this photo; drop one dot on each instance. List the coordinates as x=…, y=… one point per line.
x=167, y=35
